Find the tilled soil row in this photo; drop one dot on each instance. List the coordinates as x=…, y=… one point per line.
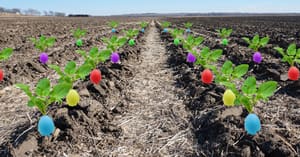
x=86, y=129
x=220, y=130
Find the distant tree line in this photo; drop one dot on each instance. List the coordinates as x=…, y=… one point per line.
x=31, y=12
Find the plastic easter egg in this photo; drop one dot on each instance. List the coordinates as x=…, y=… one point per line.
x=72, y=98
x=257, y=58
x=293, y=73
x=79, y=42
x=225, y=42
x=46, y=126
x=229, y=98
x=207, y=76
x=95, y=76
x=114, y=57
x=131, y=42
x=252, y=124
x=176, y=41
x=1, y=75
x=191, y=58
x=44, y=58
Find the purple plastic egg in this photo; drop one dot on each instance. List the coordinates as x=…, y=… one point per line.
x=115, y=57
x=257, y=58
x=43, y=58
x=191, y=58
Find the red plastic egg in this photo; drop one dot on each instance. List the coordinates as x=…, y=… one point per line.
x=95, y=76
x=293, y=73
x=207, y=76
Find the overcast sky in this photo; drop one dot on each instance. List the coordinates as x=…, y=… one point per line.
x=112, y=7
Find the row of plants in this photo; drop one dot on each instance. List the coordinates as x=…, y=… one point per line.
x=290, y=56
x=239, y=89
x=45, y=94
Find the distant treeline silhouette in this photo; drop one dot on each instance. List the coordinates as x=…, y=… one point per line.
x=33, y=12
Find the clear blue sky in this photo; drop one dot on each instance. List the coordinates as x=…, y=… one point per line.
x=111, y=7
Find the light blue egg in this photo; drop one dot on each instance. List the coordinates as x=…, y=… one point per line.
x=188, y=30
x=252, y=124
x=165, y=30
x=46, y=126
x=142, y=30
x=113, y=30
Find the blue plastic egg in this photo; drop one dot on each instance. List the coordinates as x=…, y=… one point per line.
x=252, y=124
x=113, y=30
x=188, y=30
x=165, y=30
x=46, y=126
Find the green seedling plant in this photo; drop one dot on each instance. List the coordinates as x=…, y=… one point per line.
x=130, y=34
x=229, y=74
x=255, y=44
x=291, y=56
x=4, y=55
x=72, y=72
x=113, y=25
x=143, y=26
x=78, y=34
x=165, y=25
x=177, y=35
x=224, y=34
x=42, y=44
x=191, y=42
x=43, y=96
x=188, y=26
x=114, y=42
x=251, y=93
x=206, y=58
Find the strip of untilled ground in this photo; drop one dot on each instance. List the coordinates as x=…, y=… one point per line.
x=156, y=123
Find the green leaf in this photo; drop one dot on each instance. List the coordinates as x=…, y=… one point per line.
x=280, y=50
x=205, y=52
x=43, y=87
x=216, y=54
x=247, y=40
x=267, y=89
x=60, y=91
x=57, y=69
x=198, y=41
x=84, y=70
x=5, y=53
x=255, y=40
x=122, y=41
x=50, y=42
x=94, y=52
x=31, y=103
x=40, y=104
x=228, y=85
x=264, y=41
x=25, y=89
x=104, y=55
x=240, y=70
x=249, y=86
x=227, y=68
x=70, y=68
x=298, y=53
x=292, y=50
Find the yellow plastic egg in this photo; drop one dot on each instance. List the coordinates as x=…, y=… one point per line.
x=229, y=98
x=72, y=98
